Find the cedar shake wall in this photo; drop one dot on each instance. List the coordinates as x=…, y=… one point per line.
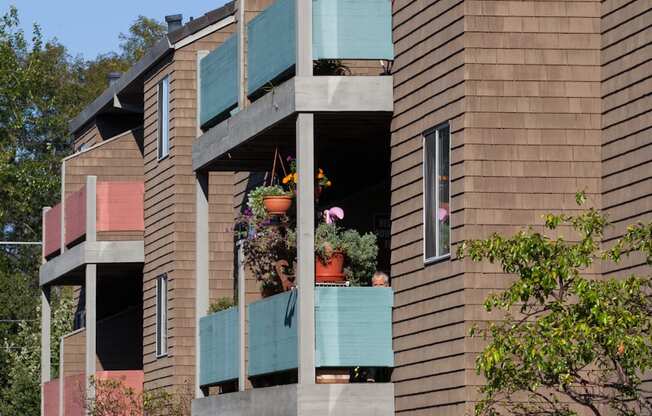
x=519, y=83
x=170, y=219
x=626, y=121
x=88, y=137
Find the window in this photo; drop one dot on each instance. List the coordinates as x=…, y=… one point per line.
x=436, y=194
x=161, y=315
x=164, y=118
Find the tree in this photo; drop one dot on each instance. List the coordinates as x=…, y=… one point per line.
x=567, y=342
x=144, y=32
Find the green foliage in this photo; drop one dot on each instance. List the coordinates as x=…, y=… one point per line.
x=221, y=304
x=565, y=338
x=144, y=32
x=256, y=195
x=21, y=395
x=360, y=251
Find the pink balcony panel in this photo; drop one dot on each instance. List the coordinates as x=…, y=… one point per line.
x=51, y=398
x=120, y=206
x=76, y=216
x=52, y=224
x=74, y=388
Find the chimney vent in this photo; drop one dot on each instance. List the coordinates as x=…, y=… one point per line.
x=174, y=21
x=114, y=77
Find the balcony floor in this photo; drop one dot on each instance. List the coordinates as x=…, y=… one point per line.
x=369, y=399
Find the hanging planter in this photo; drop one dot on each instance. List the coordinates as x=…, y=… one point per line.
x=277, y=204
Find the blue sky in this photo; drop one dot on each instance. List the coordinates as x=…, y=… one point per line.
x=91, y=27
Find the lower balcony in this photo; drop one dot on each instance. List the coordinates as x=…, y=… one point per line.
x=65, y=395
x=353, y=356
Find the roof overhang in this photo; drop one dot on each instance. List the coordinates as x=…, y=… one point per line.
x=131, y=81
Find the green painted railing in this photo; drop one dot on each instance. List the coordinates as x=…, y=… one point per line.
x=218, y=82
x=353, y=327
x=342, y=29
x=219, y=347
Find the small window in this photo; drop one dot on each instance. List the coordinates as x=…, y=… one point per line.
x=437, y=193
x=161, y=315
x=164, y=118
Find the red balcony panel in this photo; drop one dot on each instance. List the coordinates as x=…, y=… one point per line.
x=120, y=206
x=74, y=396
x=75, y=216
x=51, y=398
x=52, y=224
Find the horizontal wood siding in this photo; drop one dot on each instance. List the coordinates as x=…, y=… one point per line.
x=169, y=219
x=428, y=317
x=519, y=84
x=626, y=59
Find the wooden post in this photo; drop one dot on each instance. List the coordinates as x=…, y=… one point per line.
x=201, y=266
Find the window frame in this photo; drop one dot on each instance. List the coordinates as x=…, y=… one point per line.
x=161, y=315
x=163, y=151
x=434, y=132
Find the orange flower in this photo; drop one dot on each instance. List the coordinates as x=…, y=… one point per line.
x=328, y=184
x=287, y=179
x=295, y=177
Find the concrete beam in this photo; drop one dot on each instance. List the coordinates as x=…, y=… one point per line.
x=99, y=252
x=359, y=399
x=308, y=94
x=45, y=341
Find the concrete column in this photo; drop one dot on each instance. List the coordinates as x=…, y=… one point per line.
x=45, y=341
x=304, y=37
x=63, y=206
x=61, y=385
x=241, y=28
x=242, y=317
x=46, y=315
x=91, y=208
x=91, y=325
x=305, y=246
x=201, y=266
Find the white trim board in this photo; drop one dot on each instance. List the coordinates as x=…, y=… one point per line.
x=205, y=31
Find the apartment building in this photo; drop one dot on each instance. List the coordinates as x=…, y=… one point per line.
x=451, y=120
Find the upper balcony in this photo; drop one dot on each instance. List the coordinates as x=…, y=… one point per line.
x=100, y=217
x=350, y=42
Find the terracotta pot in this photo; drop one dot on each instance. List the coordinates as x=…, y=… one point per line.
x=277, y=205
x=331, y=271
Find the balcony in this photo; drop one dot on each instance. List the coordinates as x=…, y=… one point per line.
x=65, y=395
x=353, y=37
x=100, y=220
x=353, y=328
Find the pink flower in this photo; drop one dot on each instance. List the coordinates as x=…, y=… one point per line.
x=333, y=214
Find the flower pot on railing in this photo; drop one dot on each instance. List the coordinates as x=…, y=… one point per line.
x=331, y=270
x=277, y=204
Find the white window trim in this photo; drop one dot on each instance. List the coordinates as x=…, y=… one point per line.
x=159, y=139
x=160, y=352
x=435, y=130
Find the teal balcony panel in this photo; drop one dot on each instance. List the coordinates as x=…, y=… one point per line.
x=273, y=334
x=352, y=29
x=353, y=327
x=272, y=44
x=219, y=82
x=219, y=347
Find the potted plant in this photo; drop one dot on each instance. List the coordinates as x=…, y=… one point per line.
x=272, y=200
x=342, y=255
x=221, y=304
